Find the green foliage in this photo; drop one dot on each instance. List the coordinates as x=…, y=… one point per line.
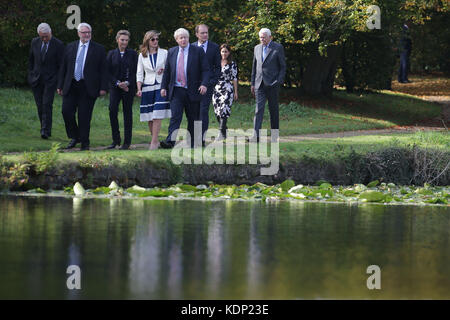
x=40, y=162
x=368, y=60
x=288, y=184
x=373, y=184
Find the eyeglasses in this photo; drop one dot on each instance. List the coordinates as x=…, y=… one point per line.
x=84, y=32
x=154, y=39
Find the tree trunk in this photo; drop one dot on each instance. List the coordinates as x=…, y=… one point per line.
x=320, y=71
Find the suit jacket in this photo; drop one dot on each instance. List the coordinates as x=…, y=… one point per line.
x=94, y=72
x=145, y=71
x=197, y=72
x=49, y=68
x=273, y=69
x=122, y=69
x=214, y=60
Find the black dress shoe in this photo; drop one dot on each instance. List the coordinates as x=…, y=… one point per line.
x=84, y=148
x=72, y=144
x=112, y=146
x=125, y=147
x=166, y=145
x=252, y=139
x=44, y=136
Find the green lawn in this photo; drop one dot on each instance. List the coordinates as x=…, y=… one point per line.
x=315, y=149
x=19, y=124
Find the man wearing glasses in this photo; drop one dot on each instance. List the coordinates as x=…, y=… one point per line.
x=82, y=79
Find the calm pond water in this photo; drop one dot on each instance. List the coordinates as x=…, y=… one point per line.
x=183, y=249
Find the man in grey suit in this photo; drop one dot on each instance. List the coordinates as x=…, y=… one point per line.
x=269, y=68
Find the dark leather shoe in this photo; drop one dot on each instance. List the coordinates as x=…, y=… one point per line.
x=125, y=147
x=44, y=136
x=252, y=139
x=166, y=145
x=112, y=146
x=72, y=144
x=84, y=148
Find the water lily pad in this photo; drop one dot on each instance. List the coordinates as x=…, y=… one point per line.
x=325, y=185
x=101, y=190
x=187, y=187
x=424, y=191
x=372, y=196
x=318, y=183
x=360, y=188
x=373, y=184
x=156, y=193
x=136, y=189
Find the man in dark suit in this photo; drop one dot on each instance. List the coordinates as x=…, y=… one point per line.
x=269, y=68
x=121, y=65
x=185, y=81
x=45, y=59
x=214, y=59
x=82, y=78
x=405, y=47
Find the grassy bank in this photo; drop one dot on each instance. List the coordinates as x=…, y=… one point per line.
x=418, y=158
x=19, y=123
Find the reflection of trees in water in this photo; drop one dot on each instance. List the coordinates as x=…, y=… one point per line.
x=192, y=249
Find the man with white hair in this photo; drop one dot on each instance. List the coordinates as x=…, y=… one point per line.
x=269, y=68
x=82, y=79
x=185, y=81
x=45, y=59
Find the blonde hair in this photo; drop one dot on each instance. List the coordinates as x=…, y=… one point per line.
x=144, y=46
x=180, y=32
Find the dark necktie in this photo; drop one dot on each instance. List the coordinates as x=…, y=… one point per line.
x=44, y=51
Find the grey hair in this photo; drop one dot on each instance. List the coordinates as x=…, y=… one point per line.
x=44, y=28
x=84, y=24
x=266, y=31
x=179, y=32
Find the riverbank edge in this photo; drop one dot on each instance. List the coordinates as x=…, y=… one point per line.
x=399, y=165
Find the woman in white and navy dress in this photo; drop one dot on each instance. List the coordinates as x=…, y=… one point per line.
x=150, y=69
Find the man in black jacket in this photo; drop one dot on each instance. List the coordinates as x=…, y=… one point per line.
x=121, y=65
x=45, y=59
x=212, y=54
x=81, y=80
x=405, y=47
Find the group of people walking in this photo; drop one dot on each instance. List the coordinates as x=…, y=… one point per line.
x=185, y=78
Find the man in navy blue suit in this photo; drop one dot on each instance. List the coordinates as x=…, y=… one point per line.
x=185, y=81
x=214, y=59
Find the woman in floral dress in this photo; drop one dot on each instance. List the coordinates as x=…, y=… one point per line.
x=226, y=90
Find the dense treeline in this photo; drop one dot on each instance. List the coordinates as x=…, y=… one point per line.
x=324, y=40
